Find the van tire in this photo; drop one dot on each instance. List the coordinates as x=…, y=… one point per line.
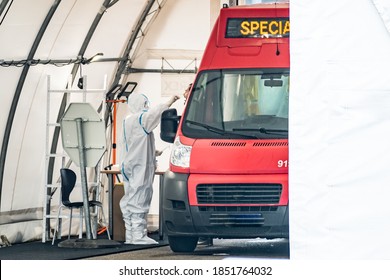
x=183, y=244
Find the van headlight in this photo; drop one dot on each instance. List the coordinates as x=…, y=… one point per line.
x=180, y=155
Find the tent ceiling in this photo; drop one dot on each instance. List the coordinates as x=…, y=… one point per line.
x=74, y=30
x=44, y=39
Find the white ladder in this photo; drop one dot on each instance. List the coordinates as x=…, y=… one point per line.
x=51, y=187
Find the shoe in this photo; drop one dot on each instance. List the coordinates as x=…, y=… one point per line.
x=139, y=231
x=143, y=240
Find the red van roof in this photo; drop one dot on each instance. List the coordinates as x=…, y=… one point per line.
x=248, y=37
x=261, y=23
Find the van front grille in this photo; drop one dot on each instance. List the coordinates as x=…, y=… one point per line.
x=238, y=193
x=226, y=219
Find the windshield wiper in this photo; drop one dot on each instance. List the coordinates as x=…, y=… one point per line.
x=263, y=130
x=219, y=131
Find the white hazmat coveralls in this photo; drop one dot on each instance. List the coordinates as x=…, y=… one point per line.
x=139, y=165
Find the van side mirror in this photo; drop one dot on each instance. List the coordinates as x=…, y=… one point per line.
x=169, y=124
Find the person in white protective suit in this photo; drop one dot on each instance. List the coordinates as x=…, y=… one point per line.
x=139, y=164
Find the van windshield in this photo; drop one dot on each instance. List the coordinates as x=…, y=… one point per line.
x=237, y=104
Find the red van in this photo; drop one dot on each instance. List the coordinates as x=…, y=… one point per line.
x=228, y=175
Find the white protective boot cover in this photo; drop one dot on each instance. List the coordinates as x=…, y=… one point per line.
x=139, y=231
x=129, y=235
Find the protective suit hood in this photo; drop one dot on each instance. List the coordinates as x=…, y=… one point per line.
x=138, y=103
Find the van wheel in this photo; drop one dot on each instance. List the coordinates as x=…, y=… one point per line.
x=183, y=244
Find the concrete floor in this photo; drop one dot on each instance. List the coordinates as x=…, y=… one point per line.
x=222, y=248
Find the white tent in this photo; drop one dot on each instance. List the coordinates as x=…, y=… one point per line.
x=339, y=120
x=339, y=124
x=45, y=45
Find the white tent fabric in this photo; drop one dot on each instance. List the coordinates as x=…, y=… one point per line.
x=339, y=106
x=339, y=124
x=383, y=8
x=169, y=27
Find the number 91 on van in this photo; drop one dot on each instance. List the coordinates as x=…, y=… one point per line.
x=282, y=163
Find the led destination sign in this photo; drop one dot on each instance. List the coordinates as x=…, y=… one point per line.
x=258, y=28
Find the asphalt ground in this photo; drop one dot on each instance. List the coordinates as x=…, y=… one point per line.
x=221, y=249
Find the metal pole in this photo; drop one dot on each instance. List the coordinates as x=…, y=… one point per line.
x=83, y=174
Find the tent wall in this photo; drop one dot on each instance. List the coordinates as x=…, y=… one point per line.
x=23, y=183
x=339, y=108
x=339, y=120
